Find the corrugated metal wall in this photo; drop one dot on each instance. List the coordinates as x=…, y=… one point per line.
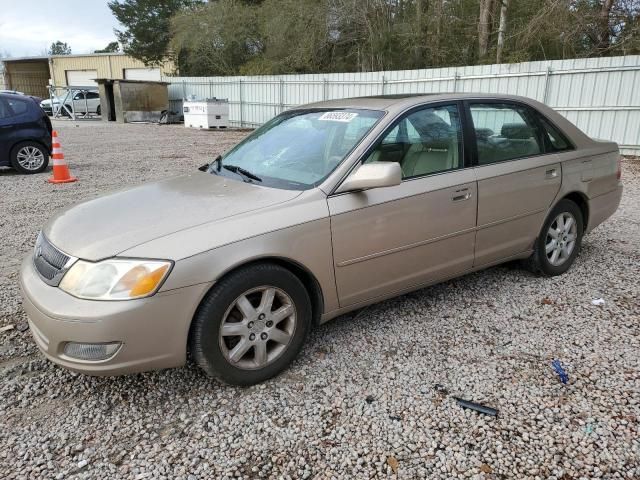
x=28, y=76
x=599, y=95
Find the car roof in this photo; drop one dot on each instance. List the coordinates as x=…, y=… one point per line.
x=13, y=95
x=404, y=101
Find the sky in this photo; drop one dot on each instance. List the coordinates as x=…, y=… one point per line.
x=28, y=27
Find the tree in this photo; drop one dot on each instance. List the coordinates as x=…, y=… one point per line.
x=233, y=37
x=604, y=36
x=502, y=30
x=59, y=48
x=110, y=48
x=146, y=33
x=217, y=38
x=484, y=28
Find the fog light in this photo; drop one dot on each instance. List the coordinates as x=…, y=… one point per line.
x=91, y=351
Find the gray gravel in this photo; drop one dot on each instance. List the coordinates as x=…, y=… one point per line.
x=368, y=397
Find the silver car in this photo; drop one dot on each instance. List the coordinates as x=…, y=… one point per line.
x=325, y=209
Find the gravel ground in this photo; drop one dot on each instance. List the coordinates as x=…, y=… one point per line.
x=368, y=397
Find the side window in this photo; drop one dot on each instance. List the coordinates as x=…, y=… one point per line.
x=18, y=106
x=504, y=132
x=555, y=141
x=424, y=142
x=93, y=95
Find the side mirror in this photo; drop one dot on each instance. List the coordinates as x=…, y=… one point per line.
x=204, y=168
x=372, y=175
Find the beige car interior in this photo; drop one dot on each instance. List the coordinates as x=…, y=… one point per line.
x=433, y=148
x=430, y=157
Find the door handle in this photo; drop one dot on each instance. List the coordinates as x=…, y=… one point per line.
x=551, y=173
x=461, y=195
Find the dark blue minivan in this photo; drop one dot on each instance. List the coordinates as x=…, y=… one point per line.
x=25, y=134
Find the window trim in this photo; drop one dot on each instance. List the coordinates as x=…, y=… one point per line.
x=399, y=118
x=473, y=141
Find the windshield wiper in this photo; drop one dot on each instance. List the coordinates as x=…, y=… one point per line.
x=241, y=171
x=206, y=166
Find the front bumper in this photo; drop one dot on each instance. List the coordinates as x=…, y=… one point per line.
x=153, y=331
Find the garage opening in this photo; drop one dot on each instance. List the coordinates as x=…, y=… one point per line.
x=152, y=74
x=81, y=78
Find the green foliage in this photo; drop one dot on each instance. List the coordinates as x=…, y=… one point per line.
x=231, y=37
x=216, y=38
x=59, y=48
x=146, y=23
x=110, y=48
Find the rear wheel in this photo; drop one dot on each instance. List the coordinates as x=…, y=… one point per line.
x=29, y=157
x=251, y=325
x=559, y=241
x=98, y=111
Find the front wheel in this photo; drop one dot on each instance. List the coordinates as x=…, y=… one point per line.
x=559, y=241
x=251, y=325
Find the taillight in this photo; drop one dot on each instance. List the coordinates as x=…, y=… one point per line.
x=619, y=172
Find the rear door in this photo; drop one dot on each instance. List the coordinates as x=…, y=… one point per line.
x=387, y=240
x=6, y=131
x=518, y=178
x=86, y=101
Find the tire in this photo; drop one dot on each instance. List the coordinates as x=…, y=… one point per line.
x=98, y=110
x=64, y=111
x=542, y=261
x=235, y=359
x=29, y=157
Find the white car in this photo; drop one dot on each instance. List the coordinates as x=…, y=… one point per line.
x=84, y=101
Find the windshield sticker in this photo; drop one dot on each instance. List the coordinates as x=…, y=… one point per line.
x=338, y=116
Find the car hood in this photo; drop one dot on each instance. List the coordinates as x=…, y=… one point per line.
x=108, y=225
x=47, y=101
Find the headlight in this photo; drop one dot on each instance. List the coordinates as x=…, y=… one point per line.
x=115, y=279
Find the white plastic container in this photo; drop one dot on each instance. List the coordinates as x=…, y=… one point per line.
x=210, y=113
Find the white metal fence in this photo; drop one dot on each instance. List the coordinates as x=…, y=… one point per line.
x=599, y=95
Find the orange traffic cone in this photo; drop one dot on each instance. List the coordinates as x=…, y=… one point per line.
x=60, y=170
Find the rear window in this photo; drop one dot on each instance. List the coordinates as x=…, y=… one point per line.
x=554, y=139
x=504, y=131
x=18, y=106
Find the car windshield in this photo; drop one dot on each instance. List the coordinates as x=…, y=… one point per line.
x=297, y=150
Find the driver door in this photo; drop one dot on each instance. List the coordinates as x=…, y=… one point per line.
x=395, y=239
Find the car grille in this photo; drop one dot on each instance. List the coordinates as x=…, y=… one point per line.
x=49, y=261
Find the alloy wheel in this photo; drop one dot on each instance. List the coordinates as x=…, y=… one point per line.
x=30, y=158
x=257, y=328
x=561, y=239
